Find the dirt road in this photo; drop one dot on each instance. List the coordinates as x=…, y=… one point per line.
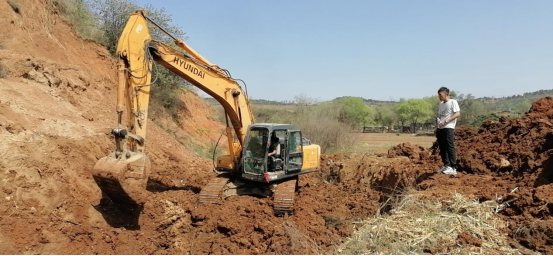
x=382, y=142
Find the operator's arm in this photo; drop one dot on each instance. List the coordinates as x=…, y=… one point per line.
x=275, y=149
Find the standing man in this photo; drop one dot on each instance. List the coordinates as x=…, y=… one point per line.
x=448, y=113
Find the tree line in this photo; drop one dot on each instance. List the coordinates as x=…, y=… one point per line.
x=356, y=112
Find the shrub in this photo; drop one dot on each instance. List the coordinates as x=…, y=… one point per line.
x=319, y=123
x=84, y=21
x=330, y=134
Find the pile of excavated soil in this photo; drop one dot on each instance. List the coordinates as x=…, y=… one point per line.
x=517, y=146
x=507, y=160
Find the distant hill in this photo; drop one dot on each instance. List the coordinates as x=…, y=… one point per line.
x=499, y=101
x=287, y=102
x=212, y=101
x=529, y=95
x=509, y=103
x=369, y=101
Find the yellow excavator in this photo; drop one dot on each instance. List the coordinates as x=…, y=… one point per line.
x=249, y=167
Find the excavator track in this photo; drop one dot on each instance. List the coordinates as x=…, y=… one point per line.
x=211, y=193
x=284, y=194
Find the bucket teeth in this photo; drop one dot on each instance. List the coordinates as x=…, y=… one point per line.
x=123, y=179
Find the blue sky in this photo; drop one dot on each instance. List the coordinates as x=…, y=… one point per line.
x=373, y=49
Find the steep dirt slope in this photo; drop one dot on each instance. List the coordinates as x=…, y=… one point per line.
x=56, y=111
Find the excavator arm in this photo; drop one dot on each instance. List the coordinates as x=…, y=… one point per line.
x=122, y=176
x=136, y=51
x=211, y=80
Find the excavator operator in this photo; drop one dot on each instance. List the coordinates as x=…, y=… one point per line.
x=275, y=163
x=273, y=147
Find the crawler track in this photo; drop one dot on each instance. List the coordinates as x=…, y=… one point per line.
x=284, y=194
x=211, y=193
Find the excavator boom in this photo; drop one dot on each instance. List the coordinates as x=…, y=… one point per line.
x=122, y=176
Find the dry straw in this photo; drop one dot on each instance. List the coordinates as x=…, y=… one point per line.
x=417, y=226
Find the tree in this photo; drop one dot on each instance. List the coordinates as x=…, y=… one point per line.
x=354, y=112
x=83, y=20
x=464, y=100
x=434, y=102
x=304, y=100
x=471, y=112
x=385, y=116
x=483, y=118
x=471, y=109
x=453, y=94
x=522, y=107
x=113, y=15
x=414, y=110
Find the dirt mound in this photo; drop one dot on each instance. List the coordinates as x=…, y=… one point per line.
x=518, y=146
x=536, y=235
x=416, y=153
x=541, y=108
x=510, y=161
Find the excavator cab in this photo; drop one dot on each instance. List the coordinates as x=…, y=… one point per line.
x=288, y=161
x=262, y=175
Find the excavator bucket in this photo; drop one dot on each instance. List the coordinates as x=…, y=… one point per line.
x=123, y=179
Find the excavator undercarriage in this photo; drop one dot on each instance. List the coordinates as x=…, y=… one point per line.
x=283, y=193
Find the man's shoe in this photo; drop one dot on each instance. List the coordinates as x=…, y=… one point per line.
x=449, y=170
x=441, y=170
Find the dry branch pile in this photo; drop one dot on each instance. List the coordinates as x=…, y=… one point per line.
x=416, y=226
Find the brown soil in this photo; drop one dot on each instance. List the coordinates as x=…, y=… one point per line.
x=466, y=238
x=57, y=106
